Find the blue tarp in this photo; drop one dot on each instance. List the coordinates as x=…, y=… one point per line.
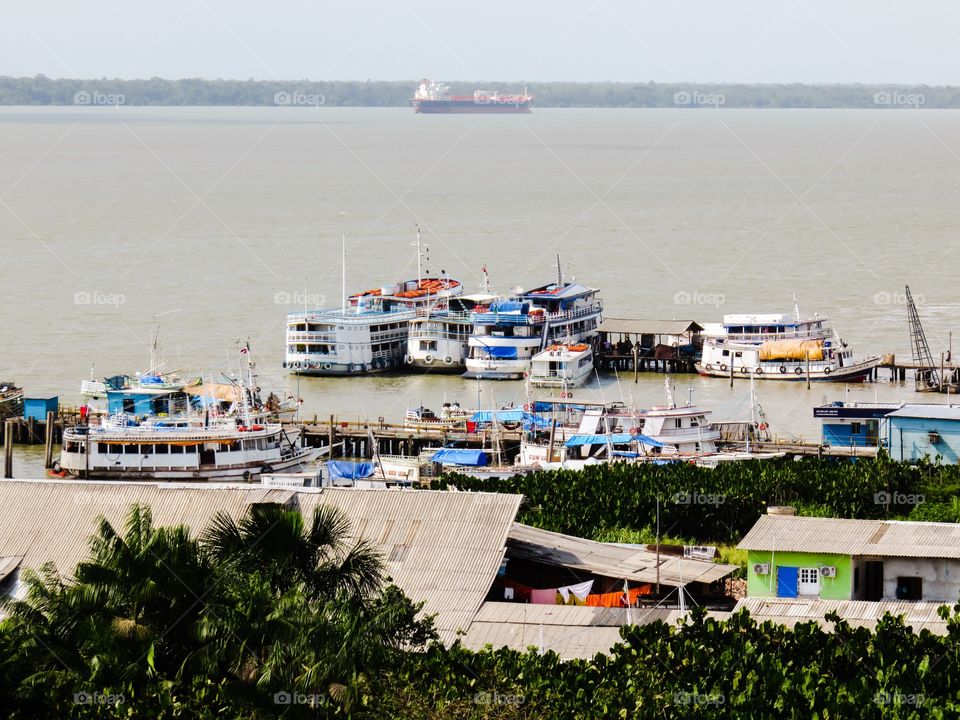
x=345, y=470
x=613, y=438
x=456, y=456
x=151, y=380
x=509, y=306
x=511, y=416
x=503, y=352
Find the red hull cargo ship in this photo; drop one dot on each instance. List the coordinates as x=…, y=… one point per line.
x=434, y=98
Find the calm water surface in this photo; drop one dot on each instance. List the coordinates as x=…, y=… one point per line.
x=214, y=222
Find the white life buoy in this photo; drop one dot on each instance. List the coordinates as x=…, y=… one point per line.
x=326, y=366
x=827, y=370
x=758, y=371
x=798, y=371
x=723, y=368
x=448, y=360
x=428, y=359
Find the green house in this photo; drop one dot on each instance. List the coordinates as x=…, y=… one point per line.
x=837, y=559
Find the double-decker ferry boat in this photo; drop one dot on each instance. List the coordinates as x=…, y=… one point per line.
x=507, y=334
x=438, y=338
x=370, y=331
x=781, y=347
x=194, y=446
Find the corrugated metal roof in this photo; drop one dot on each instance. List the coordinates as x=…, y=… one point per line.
x=609, y=560
x=569, y=630
x=649, y=327
x=927, y=411
x=446, y=547
x=859, y=613
x=840, y=536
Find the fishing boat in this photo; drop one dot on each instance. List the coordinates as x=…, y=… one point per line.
x=451, y=416
x=11, y=401
x=562, y=366
x=781, y=347
x=370, y=331
x=241, y=444
x=507, y=334
x=438, y=340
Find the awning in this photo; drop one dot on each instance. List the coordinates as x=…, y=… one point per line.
x=216, y=391
x=345, y=470
x=457, y=456
x=509, y=306
x=613, y=439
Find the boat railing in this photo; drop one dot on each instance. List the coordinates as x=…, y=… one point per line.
x=535, y=318
x=336, y=317
x=763, y=337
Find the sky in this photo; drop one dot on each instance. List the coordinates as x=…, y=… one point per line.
x=763, y=41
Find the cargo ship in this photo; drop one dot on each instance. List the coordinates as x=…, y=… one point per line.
x=435, y=98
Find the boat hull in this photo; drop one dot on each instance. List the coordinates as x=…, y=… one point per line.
x=250, y=472
x=469, y=107
x=858, y=372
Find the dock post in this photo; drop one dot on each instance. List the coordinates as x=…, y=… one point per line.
x=331, y=437
x=636, y=366
x=8, y=449
x=48, y=440
x=808, y=370
x=31, y=430
x=731, y=371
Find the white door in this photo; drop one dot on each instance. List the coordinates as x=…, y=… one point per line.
x=808, y=581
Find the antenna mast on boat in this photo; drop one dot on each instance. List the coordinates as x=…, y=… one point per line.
x=419, y=257
x=796, y=307
x=343, y=273
x=559, y=271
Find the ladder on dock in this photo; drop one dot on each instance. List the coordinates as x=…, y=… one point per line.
x=926, y=376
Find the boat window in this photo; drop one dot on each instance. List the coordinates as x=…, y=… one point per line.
x=163, y=449
x=176, y=449
x=129, y=406
x=146, y=449
x=191, y=449
x=261, y=444
x=131, y=449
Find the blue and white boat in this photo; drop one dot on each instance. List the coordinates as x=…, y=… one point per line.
x=509, y=333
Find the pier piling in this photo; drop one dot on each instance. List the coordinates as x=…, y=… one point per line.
x=8, y=448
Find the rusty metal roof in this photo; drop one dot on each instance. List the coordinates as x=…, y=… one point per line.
x=608, y=560
x=649, y=327
x=894, y=538
x=443, y=548
x=569, y=630
x=859, y=613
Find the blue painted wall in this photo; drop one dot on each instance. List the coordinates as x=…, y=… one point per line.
x=909, y=439
x=37, y=408
x=839, y=433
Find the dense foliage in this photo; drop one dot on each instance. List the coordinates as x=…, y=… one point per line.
x=41, y=90
x=721, y=504
x=268, y=614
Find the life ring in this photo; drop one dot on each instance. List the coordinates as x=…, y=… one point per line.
x=783, y=369
x=326, y=366
x=526, y=408
x=428, y=359
x=634, y=431
x=763, y=426
x=408, y=359
x=827, y=370
x=758, y=371
x=298, y=365
x=798, y=371
x=354, y=368
x=723, y=368
x=448, y=360
x=743, y=370
x=708, y=367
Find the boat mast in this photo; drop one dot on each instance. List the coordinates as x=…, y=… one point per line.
x=559, y=271
x=343, y=273
x=419, y=256
x=796, y=307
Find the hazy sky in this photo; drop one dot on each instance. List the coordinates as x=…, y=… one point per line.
x=758, y=41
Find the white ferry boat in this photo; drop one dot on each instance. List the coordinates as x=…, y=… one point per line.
x=438, y=338
x=451, y=416
x=508, y=334
x=370, y=331
x=207, y=446
x=781, y=347
x=562, y=366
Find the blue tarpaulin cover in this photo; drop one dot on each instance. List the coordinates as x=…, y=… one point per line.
x=508, y=306
x=511, y=416
x=500, y=351
x=613, y=438
x=456, y=456
x=345, y=470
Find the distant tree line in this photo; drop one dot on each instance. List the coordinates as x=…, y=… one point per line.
x=41, y=90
